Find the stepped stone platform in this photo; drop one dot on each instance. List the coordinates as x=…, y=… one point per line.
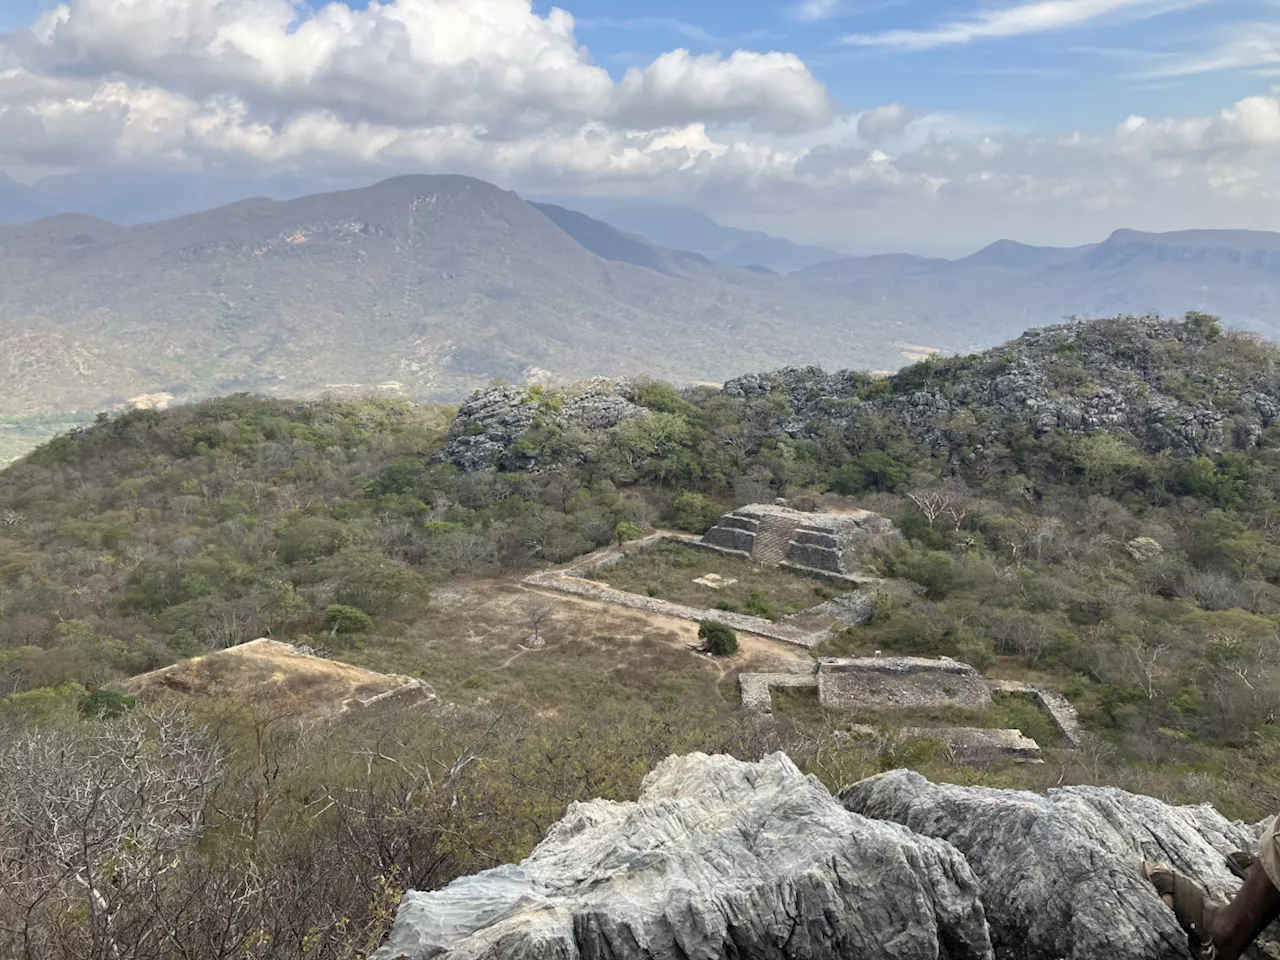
x=829, y=544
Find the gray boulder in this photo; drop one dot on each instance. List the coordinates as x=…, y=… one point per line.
x=718, y=858
x=1060, y=873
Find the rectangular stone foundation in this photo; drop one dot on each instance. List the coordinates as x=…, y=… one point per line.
x=901, y=683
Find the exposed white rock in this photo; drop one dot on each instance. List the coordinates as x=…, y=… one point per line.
x=725, y=860
x=1060, y=873
x=718, y=858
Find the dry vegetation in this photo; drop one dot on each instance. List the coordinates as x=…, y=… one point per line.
x=667, y=570
x=163, y=535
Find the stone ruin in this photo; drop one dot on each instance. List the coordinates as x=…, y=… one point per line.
x=897, y=686
x=830, y=544
x=900, y=683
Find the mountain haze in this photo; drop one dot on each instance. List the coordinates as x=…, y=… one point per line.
x=1011, y=286
x=684, y=228
x=432, y=285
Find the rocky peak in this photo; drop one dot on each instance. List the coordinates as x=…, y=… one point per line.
x=721, y=858
x=1177, y=385
x=493, y=425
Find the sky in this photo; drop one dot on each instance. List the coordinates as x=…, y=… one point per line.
x=933, y=126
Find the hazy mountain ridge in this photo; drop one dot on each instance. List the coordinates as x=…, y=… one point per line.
x=1008, y=286
x=432, y=286
x=684, y=228
x=450, y=282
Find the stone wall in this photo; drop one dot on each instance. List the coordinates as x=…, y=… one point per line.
x=567, y=582
x=900, y=684
x=757, y=688
x=970, y=744
x=1059, y=708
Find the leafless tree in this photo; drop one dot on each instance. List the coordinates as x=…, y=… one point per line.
x=538, y=613
x=932, y=503
x=91, y=821
x=1147, y=657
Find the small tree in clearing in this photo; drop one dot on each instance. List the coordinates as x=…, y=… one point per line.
x=538, y=612
x=718, y=639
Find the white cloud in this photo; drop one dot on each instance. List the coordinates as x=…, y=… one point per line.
x=883, y=123
x=419, y=62
x=1247, y=46
x=810, y=10
x=1036, y=17
x=490, y=88
x=774, y=91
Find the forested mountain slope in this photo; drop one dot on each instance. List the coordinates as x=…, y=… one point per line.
x=424, y=286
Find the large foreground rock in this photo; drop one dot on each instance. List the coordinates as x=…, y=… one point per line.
x=718, y=858
x=1060, y=872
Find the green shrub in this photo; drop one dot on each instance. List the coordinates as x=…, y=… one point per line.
x=870, y=471
x=718, y=638
x=626, y=530
x=759, y=605
x=311, y=538
x=933, y=570
x=340, y=618
x=693, y=512
x=107, y=705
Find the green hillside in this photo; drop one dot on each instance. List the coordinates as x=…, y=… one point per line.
x=1093, y=508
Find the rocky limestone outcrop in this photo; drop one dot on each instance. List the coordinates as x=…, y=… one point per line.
x=754, y=861
x=718, y=858
x=491, y=425
x=1059, y=872
x=1171, y=384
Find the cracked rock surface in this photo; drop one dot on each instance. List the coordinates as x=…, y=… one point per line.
x=718, y=858
x=724, y=860
x=1060, y=872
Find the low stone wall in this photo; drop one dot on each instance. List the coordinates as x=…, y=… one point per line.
x=1059, y=708
x=567, y=582
x=850, y=609
x=713, y=548
x=757, y=688
x=971, y=744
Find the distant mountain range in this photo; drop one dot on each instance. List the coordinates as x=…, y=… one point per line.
x=432, y=285
x=1010, y=286
x=428, y=286
x=128, y=197
x=684, y=228
x=18, y=203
